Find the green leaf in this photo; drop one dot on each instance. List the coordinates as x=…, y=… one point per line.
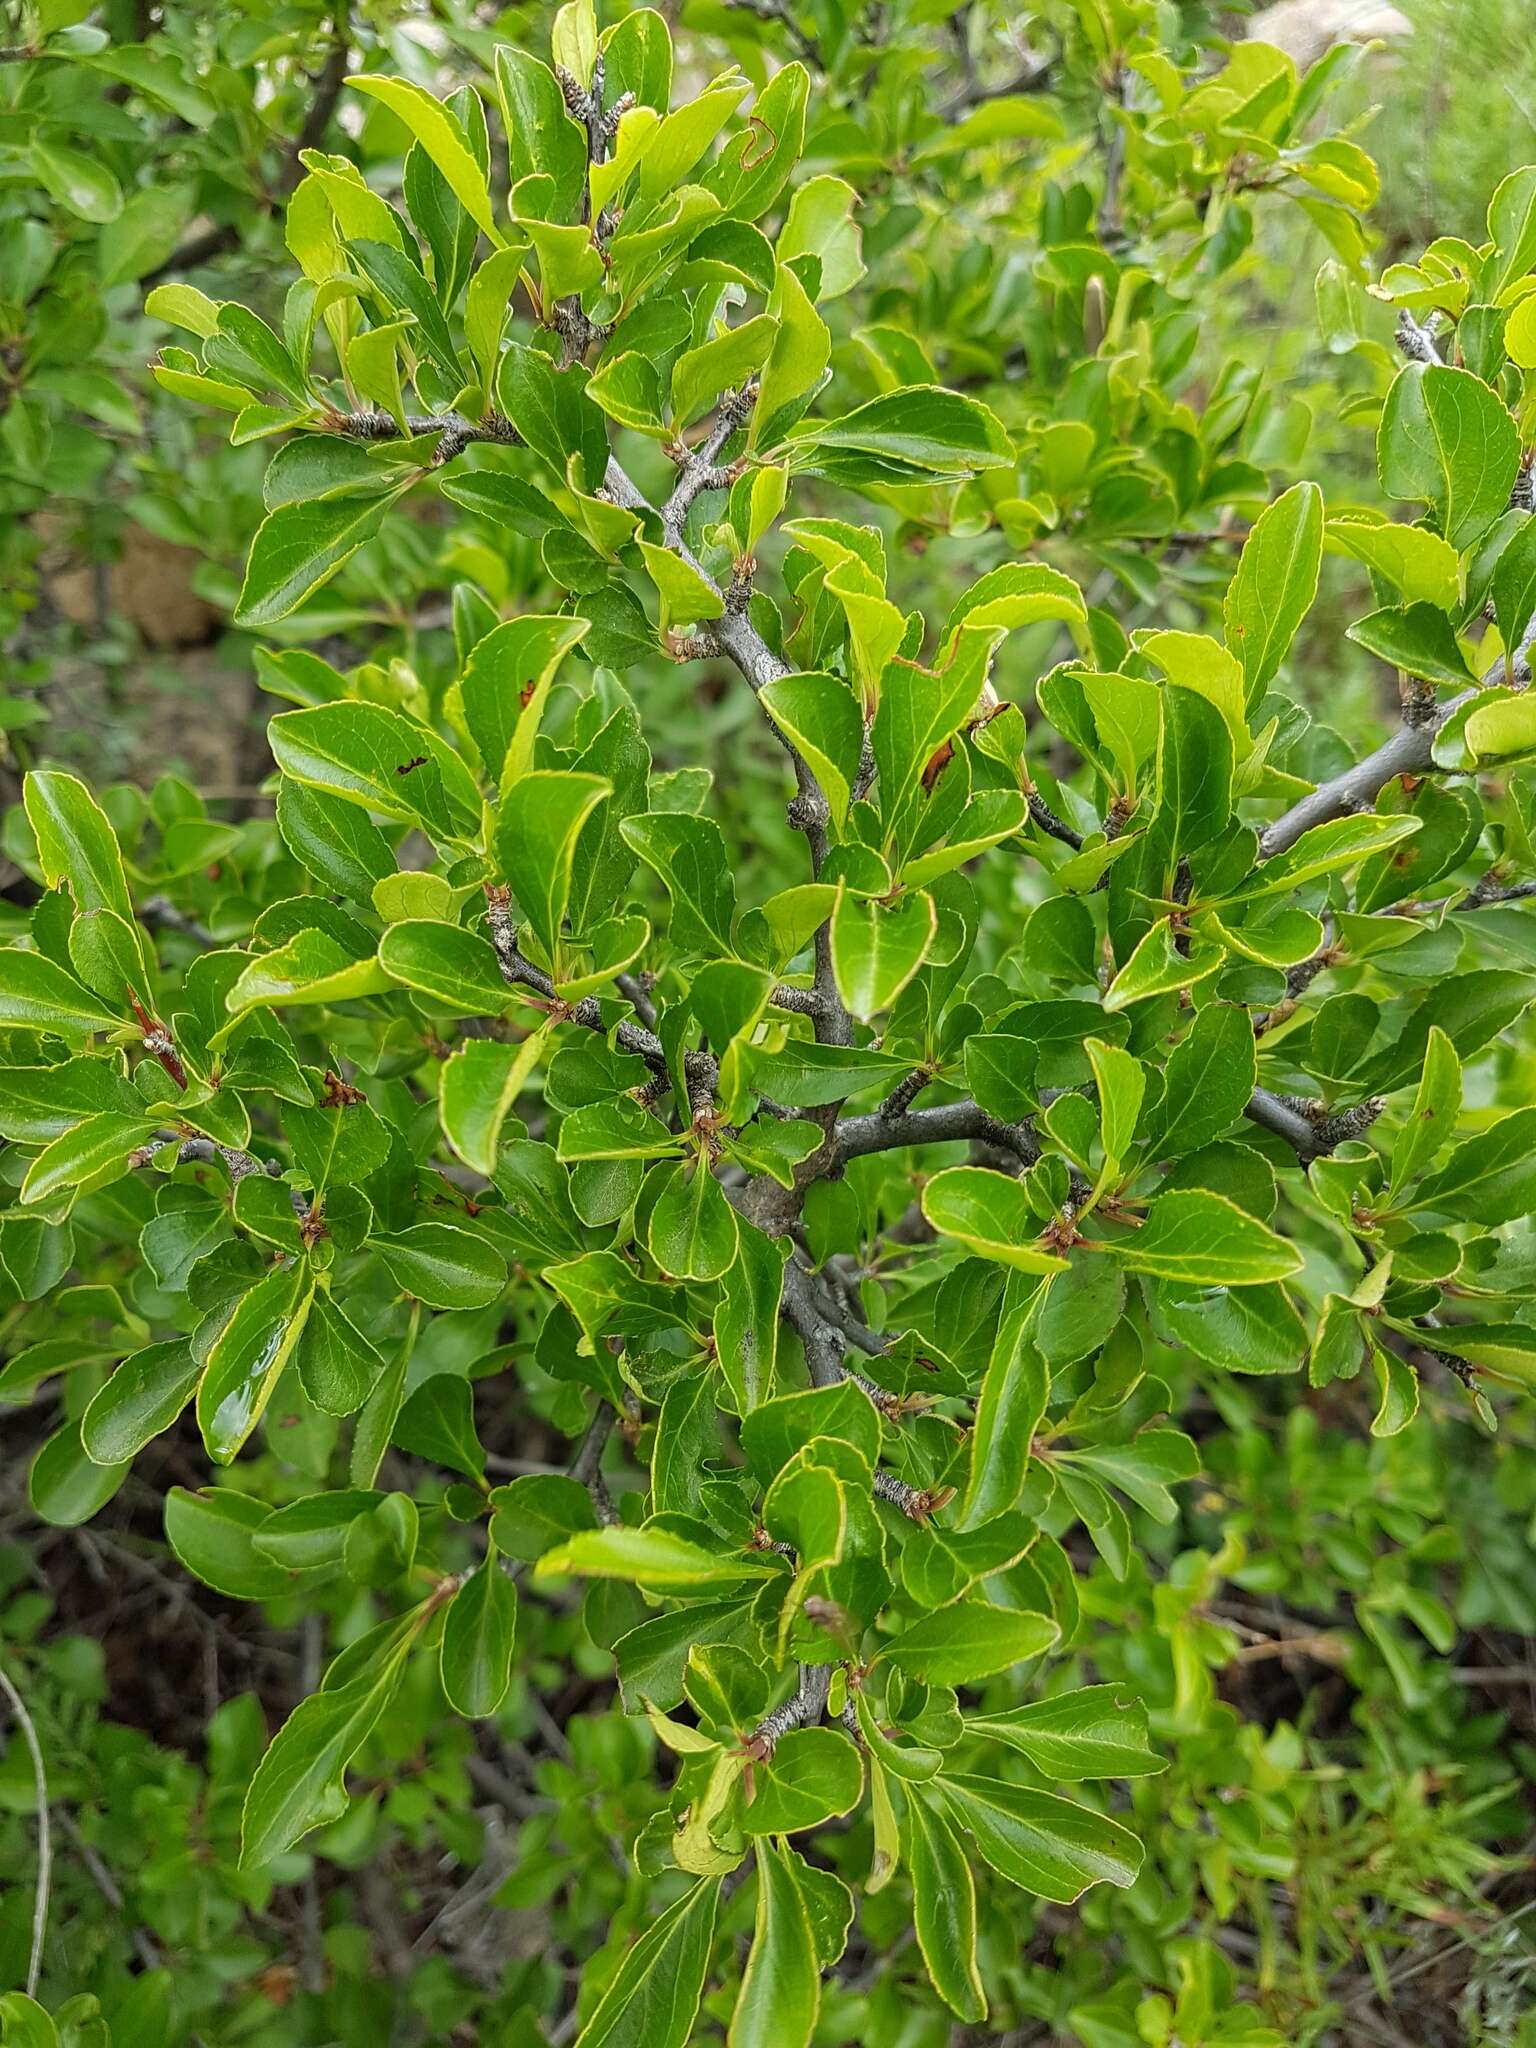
x=537, y=827
x=806, y=1075
x=1049, y=1846
x=1014, y=1390
x=990, y=1214
x=336, y=1362
x=478, y=1635
x=1157, y=966
x=1120, y=1081
x=653, y=1997
x=24, y=2023
x=438, y=1422
x=722, y=362
x=1432, y=1119
x=692, y=1229
x=1095, y=1732
x=1190, y=1234
x=442, y=1265
x=780, y=1992
x=1422, y=565
x=300, y=547
x=1326, y=850
x=814, y=1775
x=212, y=1534
x=967, y=1641
x=652, y=1557
x=92, y=1152
x=944, y=1907
x=332, y=839
x=35, y=995
x=452, y=966
x=143, y=1397
x=311, y=968
x=615, y=1130
x=796, y=362
x=540, y=134
x=820, y=718
x=248, y=1357
x=76, y=845
x=1206, y=1084
x=1194, y=769
x=476, y=1091
x=1471, y=1008
x=686, y=597
x=382, y=760
x=299, y=1784
x=81, y=184
x=1503, y=730
x=1418, y=639
x=878, y=947
x=1145, y=1468
x=66, y=1486
x=1274, y=586
x=182, y=305
x=1448, y=441
x=1508, y=1349
x=920, y=431
x=1490, y=1179
x=820, y=223
x=506, y=686
x=746, y=1326
x=1398, y=1386
x=1514, y=584
x=1512, y=230
x=376, y=1422
x=689, y=855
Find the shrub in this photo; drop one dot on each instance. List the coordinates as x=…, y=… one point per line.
x=877, y=1205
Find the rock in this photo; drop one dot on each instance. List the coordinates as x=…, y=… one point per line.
x=1308, y=29
x=150, y=584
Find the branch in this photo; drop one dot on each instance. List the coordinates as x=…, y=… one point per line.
x=1032, y=76
x=1416, y=340
x=586, y=1468
x=1271, y=1113
x=857, y=1136
x=1047, y=820
x=161, y=915
x=735, y=635
x=822, y=1340
x=806, y=47
x=699, y=471
x=519, y=972
x=456, y=430
x=808, y=1704
x=1408, y=752
x=144, y=1943
x=1488, y=891
x=208, y=1152
x=44, y=1833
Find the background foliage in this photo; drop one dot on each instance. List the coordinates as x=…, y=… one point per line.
x=1182, y=1475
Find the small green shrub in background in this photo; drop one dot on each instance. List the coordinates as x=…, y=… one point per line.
x=983, y=1220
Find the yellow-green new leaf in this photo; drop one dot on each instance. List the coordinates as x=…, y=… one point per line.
x=440, y=135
